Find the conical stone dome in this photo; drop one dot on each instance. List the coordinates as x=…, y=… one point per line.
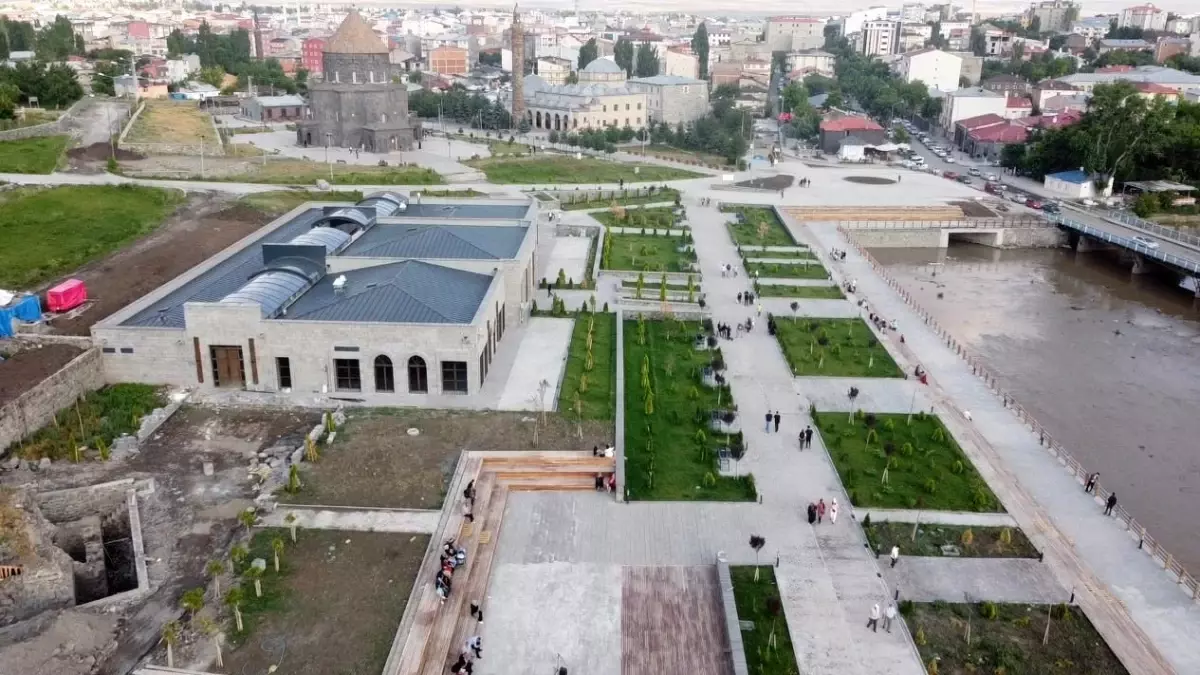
x=354, y=36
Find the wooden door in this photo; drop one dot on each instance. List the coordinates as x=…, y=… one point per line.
x=228, y=370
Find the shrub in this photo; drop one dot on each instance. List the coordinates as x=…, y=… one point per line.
x=988, y=610
x=967, y=538
x=1022, y=621
x=920, y=638
x=931, y=485
x=957, y=467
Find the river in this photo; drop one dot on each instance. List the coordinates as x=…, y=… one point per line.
x=1107, y=362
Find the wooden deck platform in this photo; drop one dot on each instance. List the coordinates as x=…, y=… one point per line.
x=438, y=630
x=672, y=621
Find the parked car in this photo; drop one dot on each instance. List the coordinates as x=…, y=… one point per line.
x=1051, y=207
x=1146, y=241
x=1033, y=203
x=950, y=174
x=974, y=172
x=991, y=188
x=966, y=180
x=993, y=177
x=1088, y=202
x=1016, y=198
x=948, y=159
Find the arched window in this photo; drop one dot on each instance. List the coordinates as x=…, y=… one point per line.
x=418, y=376
x=385, y=378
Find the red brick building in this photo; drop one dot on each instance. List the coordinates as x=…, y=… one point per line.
x=312, y=55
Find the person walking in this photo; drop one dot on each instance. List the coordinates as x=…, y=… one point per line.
x=888, y=615
x=776, y=421
x=769, y=418
x=873, y=620
x=1108, y=505
x=833, y=511
x=477, y=612
x=812, y=513
x=895, y=555
x=475, y=644
x=820, y=510
x=1090, y=486
x=808, y=434
x=760, y=309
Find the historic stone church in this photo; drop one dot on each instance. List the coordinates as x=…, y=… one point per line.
x=358, y=105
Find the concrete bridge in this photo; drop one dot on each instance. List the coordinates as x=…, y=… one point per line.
x=1165, y=249
x=1013, y=232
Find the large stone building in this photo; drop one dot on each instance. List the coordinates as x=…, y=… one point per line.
x=357, y=105
x=602, y=98
x=794, y=33
x=386, y=302
x=672, y=99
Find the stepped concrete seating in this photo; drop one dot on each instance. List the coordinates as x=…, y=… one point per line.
x=7, y=571
x=439, y=630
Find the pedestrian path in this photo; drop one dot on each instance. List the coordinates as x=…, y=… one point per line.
x=1023, y=580
x=968, y=518
x=1141, y=612
x=828, y=580
x=354, y=519
x=807, y=308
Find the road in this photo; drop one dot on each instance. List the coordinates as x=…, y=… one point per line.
x=1097, y=218
x=99, y=119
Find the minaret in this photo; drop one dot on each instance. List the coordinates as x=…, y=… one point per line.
x=518, y=68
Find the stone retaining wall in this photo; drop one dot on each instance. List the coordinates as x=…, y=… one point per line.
x=35, y=408
x=58, y=126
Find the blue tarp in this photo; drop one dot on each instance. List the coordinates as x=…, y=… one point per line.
x=28, y=308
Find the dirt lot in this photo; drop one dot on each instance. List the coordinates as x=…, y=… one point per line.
x=94, y=158
x=171, y=122
x=24, y=369
x=337, y=605
x=186, y=521
x=202, y=227
x=374, y=462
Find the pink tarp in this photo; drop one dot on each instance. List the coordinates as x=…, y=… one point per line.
x=67, y=295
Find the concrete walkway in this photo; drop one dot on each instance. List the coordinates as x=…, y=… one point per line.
x=1023, y=580
x=354, y=519
x=1141, y=612
x=937, y=517
x=807, y=307
x=828, y=580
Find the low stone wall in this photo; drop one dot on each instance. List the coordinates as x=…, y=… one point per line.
x=58, y=126
x=75, y=503
x=35, y=408
x=733, y=628
x=899, y=238
x=1036, y=237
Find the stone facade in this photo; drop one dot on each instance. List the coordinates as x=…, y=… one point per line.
x=673, y=100
x=33, y=409
x=358, y=105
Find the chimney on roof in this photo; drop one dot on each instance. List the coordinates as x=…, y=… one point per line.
x=339, y=285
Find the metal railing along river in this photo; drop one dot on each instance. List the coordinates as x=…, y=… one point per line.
x=1138, y=531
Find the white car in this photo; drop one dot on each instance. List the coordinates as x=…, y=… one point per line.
x=993, y=177
x=949, y=159
x=1088, y=202
x=973, y=172
x=1145, y=241
x=919, y=160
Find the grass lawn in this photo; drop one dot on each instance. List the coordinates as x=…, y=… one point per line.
x=31, y=118
x=1007, y=638
x=467, y=193
x=32, y=155
x=328, y=582
x=759, y=227
x=669, y=152
x=759, y=601
x=797, y=270
x=563, y=169
x=982, y=542
x=596, y=385
x=780, y=255
x=833, y=348
x=652, y=284
x=647, y=253
x=812, y=292
x=98, y=419
x=279, y=202
x=925, y=467
x=51, y=231
x=665, y=457
x=656, y=197
x=652, y=217
x=303, y=172
x=171, y=122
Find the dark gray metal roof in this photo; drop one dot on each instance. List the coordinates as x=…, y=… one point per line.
x=439, y=241
x=496, y=211
x=224, y=278
x=404, y=292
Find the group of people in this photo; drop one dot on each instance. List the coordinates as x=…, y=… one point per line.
x=452, y=558
x=888, y=617
x=747, y=298
x=816, y=511
x=705, y=201
x=728, y=270
x=806, y=435
x=837, y=254
x=726, y=331
x=465, y=665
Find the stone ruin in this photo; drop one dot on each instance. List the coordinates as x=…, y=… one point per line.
x=77, y=547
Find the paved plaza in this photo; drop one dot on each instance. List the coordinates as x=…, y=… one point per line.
x=541, y=356
x=569, y=254
x=1023, y=580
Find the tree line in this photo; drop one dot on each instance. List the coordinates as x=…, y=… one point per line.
x=54, y=86
x=1123, y=136
x=461, y=106
x=54, y=42
x=221, y=54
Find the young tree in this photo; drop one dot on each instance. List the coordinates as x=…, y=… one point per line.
x=238, y=555
x=292, y=525
x=757, y=542
x=211, y=630
x=255, y=574
x=248, y=518
x=277, y=550
x=215, y=569
x=170, y=636
x=700, y=48
x=234, y=599
x=193, y=601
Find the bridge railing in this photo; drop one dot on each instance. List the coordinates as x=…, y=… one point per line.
x=1138, y=532
x=963, y=224
x=1190, y=265
x=1153, y=228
